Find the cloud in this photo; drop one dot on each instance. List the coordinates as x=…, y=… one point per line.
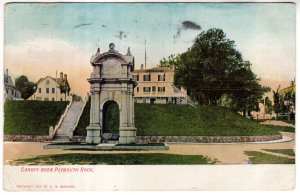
x=190, y=25
x=186, y=25
x=83, y=24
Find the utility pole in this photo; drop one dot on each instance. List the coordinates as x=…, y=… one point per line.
x=145, y=56
x=56, y=85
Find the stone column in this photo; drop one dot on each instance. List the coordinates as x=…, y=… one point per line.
x=93, y=130
x=97, y=109
x=127, y=129
x=132, y=107
x=130, y=114
x=91, y=108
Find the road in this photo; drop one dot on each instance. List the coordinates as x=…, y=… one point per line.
x=224, y=153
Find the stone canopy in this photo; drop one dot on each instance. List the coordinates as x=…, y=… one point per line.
x=112, y=81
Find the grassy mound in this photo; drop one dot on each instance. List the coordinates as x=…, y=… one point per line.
x=31, y=117
x=184, y=120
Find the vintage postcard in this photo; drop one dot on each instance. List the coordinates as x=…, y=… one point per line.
x=134, y=95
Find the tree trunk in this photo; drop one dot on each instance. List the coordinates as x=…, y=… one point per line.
x=249, y=112
x=244, y=113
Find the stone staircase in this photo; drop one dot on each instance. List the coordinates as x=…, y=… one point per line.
x=69, y=121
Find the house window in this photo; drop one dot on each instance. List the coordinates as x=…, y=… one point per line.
x=136, y=77
x=40, y=90
x=153, y=88
x=147, y=89
x=47, y=90
x=47, y=82
x=137, y=89
x=161, y=77
x=52, y=99
x=161, y=89
x=147, y=77
x=53, y=90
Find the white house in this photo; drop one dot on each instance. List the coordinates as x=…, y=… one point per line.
x=47, y=89
x=155, y=85
x=10, y=91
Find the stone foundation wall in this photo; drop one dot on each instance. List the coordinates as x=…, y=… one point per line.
x=207, y=139
x=26, y=138
x=158, y=139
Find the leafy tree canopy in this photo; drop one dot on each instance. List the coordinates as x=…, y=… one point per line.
x=64, y=88
x=212, y=68
x=26, y=87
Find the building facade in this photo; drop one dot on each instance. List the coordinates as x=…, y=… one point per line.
x=47, y=89
x=10, y=91
x=288, y=95
x=156, y=85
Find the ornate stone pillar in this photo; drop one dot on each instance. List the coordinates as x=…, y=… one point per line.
x=112, y=80
x=94, y=129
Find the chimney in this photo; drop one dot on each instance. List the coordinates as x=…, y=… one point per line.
x=292, y=83
x=65, y=76
x=61, y=75
x=142, y=67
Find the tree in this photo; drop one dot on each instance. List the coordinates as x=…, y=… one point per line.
x=212, y=68
x=26, y=87
x=64, y=88
x=76, y=98
x=268, y=105
x=279, y=106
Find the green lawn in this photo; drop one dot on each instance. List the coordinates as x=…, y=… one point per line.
x=289, y=152
x=31, y=117
x=116, y=159
x=35, y=117
x=262, y=158
x=184, y=120
x=280, y=128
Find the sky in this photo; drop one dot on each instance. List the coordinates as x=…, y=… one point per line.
x=41, y=39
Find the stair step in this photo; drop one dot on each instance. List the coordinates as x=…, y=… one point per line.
x=69, y=121
x=110, y=141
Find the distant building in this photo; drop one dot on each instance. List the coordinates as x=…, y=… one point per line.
x=289, y=96
x=288, y=90
x=155, y=85
x=47, y=89
x=10, y=92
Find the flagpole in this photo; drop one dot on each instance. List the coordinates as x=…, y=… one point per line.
x=56, y=85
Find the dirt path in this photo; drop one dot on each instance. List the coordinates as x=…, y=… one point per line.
x=277, y=123
x=225, y=153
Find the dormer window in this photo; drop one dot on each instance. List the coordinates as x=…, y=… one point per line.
x=47, y=82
